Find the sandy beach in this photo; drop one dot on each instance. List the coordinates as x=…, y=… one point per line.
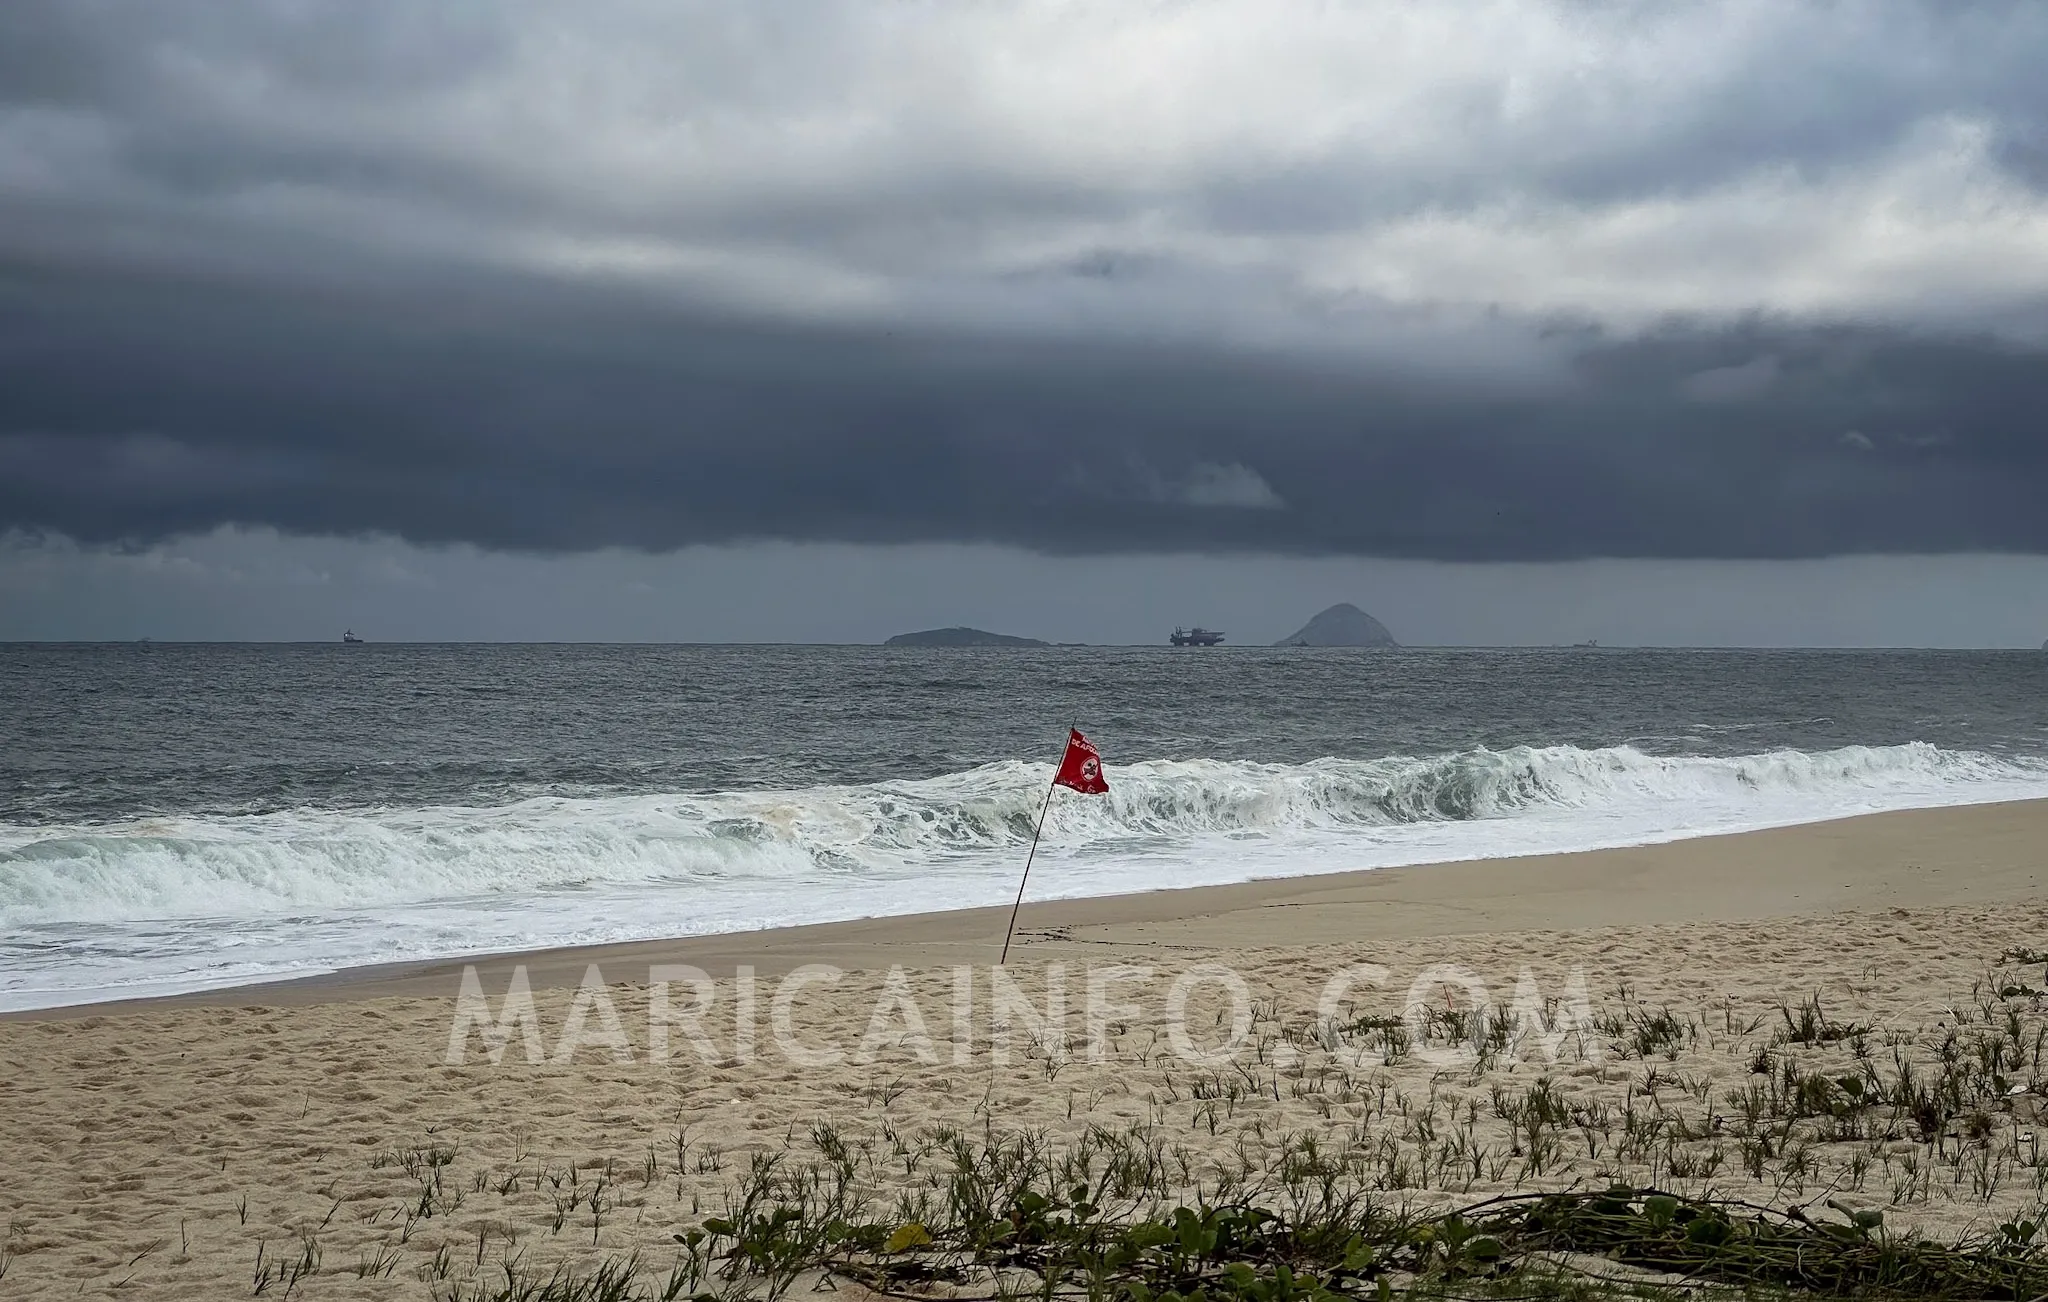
x=356, y=1128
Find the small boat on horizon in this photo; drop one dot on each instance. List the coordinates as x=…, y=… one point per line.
x=349, y=635
x=1196, y=637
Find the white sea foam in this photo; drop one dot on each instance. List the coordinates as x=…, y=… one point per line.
x=174, y=903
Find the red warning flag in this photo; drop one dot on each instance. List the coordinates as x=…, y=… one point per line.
x=1081, y=766
x=1080, y=770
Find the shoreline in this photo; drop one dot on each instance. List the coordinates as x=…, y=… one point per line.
x=1943, y=856
x=1685, y=1017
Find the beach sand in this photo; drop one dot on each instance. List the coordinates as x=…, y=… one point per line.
x=183, y=1147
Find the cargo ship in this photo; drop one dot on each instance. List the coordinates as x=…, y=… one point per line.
x=1196, y=637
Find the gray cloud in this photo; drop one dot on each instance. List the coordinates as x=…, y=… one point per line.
x=460, y=411
x=1752, y=379
x=1574, y=280
x=1234, y=485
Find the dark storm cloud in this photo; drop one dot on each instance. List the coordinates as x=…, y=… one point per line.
x=524, y=421
x=1395, y=282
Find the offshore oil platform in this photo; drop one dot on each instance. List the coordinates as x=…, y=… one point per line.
x=1196, y=637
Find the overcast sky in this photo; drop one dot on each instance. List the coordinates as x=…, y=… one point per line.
x=1519, y=322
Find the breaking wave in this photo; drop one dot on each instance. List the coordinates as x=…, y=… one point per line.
x=823, y=840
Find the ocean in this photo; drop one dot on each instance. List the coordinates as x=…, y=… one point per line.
x=178, y=817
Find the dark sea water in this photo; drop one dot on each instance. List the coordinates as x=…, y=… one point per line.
x=174, y=816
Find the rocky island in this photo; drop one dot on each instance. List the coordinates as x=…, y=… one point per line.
x=961, y=637
x=1341, y=625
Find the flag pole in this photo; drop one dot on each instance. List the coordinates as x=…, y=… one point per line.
x=1012, y=928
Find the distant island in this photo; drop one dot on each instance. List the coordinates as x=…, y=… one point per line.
x=1341, y=625
x=961, y=637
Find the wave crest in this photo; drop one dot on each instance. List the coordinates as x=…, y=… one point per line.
x=272, y=864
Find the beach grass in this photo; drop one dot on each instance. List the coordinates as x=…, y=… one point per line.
x=1317, y=1164
x=1005, y=1231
